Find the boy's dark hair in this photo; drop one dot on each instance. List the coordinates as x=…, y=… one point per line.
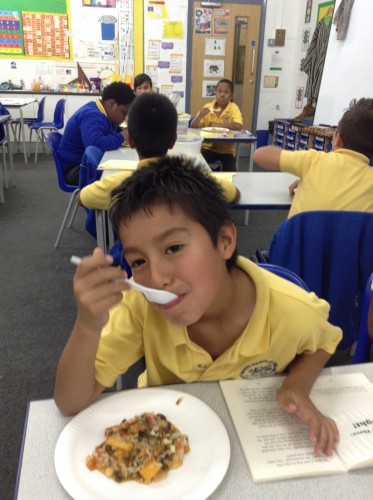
x=356, y=127
x=152, y=124
x=228, y=82
x=142, y=78
x=176, y=182
x=120, y=92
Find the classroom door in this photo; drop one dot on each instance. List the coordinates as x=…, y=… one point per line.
x=225, y=45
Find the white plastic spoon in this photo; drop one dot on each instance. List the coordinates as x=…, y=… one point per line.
x=152, y=294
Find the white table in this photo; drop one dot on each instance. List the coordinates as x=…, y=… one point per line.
x=18, y=103
x=234, y=136
x=37, y=479
x=259, y=191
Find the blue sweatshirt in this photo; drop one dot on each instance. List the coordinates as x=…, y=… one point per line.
x=88, y=126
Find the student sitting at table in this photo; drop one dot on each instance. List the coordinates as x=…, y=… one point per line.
x=95, y=124
x=222, y=112
x=142, y=84
x=339, y=180
x=230, y=319
x=150, y=139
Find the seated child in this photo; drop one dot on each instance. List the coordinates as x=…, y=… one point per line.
x=150, y=140
x=222, y=112
x=231, y=319
x=339, y=180
x=95, y=124
x=142, y=84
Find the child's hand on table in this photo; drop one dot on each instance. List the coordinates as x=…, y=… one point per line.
x=323, y=430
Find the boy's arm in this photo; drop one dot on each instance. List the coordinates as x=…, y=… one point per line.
x=268, y=157
x=293, y=397
x=95, y=293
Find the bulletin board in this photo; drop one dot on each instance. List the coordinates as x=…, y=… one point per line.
x=36, y=29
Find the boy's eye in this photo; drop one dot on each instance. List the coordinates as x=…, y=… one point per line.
x=136, y=263
x=174, y=248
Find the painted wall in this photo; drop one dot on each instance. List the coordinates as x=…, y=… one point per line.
x=280, y=102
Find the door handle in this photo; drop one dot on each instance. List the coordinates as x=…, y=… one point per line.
x=253, y=61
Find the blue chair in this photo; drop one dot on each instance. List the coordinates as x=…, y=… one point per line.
x=53, y=139
x=331, y=251
x=363, y=343
x=284, y=273
x=16, y=123
x=40, y=126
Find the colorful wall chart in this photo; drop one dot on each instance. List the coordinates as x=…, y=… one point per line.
x=40, y=31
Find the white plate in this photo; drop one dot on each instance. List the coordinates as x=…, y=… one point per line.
x=201, y=473
x=215, y=130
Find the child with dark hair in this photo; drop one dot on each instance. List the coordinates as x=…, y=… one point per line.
x=222, y=112
x=339, y=180
x=142, y=84
x=152, y=125
x=230, y=319
x=95, y=125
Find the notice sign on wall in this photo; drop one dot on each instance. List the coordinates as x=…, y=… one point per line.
x=45, y=35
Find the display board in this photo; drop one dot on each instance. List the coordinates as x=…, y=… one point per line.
x=35, y=29
x=348, y=70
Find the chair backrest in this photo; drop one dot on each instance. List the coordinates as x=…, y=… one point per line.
x=53, y=140
x=58, y=117
x=284, y=273
x=40, y=115
x=3, y=110
x=363, y=341
x=332, y=252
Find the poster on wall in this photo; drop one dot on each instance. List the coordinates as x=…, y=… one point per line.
x=99, y=3
x=10, y=33
x=305, y=39
x=157, y=9
x=221, y=21
x=307, y=18
x=215, y=46
x=299, y=97
x=154, y=49
x=45, y=35
x=209, y=87
x=325, y=9
x=213, y=67
x=202, y=21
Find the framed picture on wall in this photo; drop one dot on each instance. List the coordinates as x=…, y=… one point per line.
x=325, y=9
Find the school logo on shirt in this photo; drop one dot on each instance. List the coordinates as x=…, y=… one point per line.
x=262, y=368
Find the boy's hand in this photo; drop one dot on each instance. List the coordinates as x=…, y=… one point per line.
x=293, y=186
x=203, y=112
x=95, y=289
x=323, y=430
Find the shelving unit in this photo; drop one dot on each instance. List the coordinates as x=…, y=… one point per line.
x=297, y=136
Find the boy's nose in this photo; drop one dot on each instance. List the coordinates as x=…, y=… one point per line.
x=160, y=275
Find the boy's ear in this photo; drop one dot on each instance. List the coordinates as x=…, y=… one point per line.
x=131, y=144
x=227, y=239
x=337, y=142
x=172, y=142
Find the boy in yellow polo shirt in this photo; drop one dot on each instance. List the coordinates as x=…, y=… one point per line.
x=222, y=112
x=339, y=180
x=230, y=318
x=152, y=125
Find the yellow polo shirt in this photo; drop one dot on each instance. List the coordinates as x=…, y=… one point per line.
x=286, y=321
x=231, y=114
x=340, y=180
x=96, y=196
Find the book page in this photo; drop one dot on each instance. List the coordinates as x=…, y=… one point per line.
x=349, y=402
x=276, y=444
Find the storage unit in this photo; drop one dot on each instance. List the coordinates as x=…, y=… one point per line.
x=296, y=136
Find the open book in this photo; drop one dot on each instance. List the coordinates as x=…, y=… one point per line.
x=276, y=444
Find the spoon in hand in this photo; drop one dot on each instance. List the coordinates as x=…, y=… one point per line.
x=152, y=294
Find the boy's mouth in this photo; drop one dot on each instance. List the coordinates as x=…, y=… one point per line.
x=173, y=303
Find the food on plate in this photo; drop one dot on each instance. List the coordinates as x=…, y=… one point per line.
x=143, y=449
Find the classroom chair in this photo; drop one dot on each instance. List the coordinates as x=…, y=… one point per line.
x=40, y=127
x=53, y=139
x=332, y=252
x=16, y=122
x=284, y=273
x=364, y=343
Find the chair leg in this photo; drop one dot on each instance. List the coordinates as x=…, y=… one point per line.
x=5, y=168
x=36, y=148
x=75, y=209
x=66, y=216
